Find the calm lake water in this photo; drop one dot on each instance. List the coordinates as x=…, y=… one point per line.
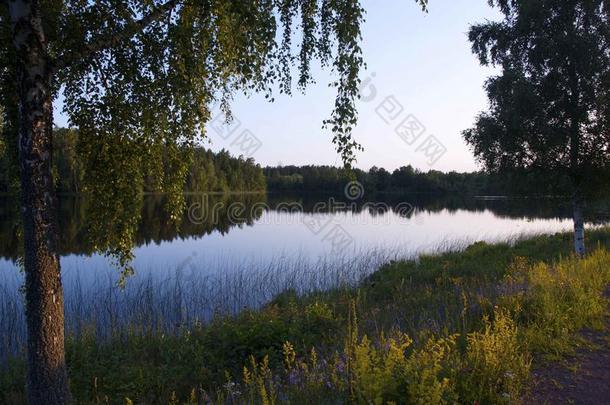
x=260, y=228
x=220, y=232
x=232, y=252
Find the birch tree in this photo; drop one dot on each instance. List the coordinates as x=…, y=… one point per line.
x=548, y=108
x=139, y=77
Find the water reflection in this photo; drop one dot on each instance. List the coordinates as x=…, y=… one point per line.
x=221, y=213
x=238, y=251
x=155, y=225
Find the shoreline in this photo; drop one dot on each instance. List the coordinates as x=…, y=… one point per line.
x=430, y=300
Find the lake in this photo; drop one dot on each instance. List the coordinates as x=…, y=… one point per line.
x=233, y=252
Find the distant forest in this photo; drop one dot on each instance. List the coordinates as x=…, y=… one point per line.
x=209, y=171
x=220, y=172
x=408, y=179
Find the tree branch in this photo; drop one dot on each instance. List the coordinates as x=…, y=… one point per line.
x=105, y=43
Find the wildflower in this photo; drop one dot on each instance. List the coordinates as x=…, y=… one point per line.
x=340, y=365
x=231, y=389
x=289, y=355
x=293, y=378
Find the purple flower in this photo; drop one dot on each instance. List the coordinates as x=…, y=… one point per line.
x=293, y=378
x=340, y=366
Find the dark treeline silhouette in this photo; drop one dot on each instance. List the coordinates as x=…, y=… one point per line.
x=220, y=172
x=408, y=179
x=208, y=171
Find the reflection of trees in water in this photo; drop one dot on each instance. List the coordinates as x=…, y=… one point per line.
x=155, y=225
x=511, y=208
x=213, y=216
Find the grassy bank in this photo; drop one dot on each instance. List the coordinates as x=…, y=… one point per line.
x=452, y=328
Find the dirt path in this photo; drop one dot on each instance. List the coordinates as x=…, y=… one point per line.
x=581, y=379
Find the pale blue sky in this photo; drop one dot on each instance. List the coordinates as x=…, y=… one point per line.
x=423, y=60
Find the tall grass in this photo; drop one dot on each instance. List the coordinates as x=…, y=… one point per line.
x=460, y=326
x=153, y=302
x=536, y=309
x=192, y=295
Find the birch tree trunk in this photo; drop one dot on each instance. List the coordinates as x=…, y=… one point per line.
x=575, y=164
x=579, y=224
x=47, y=379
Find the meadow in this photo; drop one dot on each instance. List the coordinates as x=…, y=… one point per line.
x=459, y=327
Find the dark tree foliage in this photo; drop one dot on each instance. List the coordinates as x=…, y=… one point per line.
x=549, y=107
x=222, y=173
x=406, y=179
x=207, y=171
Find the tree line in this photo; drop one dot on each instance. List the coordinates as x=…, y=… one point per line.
x=408, y=179
x=219, y=172
x=207, y=171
